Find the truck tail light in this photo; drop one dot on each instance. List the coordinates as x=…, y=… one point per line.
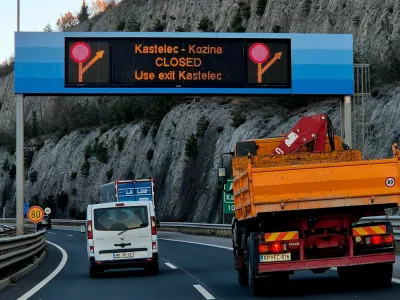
x=376, y=240
x=89, y=230
x=274, y=247
x=388, y=238
x=153, y=226
x=262, y=248
x=277, y=247
x=379, y=239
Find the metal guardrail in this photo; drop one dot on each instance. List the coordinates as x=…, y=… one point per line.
x=395, y=221
x=17, y=248
x=6, y=230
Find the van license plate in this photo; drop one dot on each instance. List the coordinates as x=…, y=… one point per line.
x=123, y=254
x=275, y=257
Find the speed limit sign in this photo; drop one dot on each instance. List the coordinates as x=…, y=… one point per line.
x=35, y=214
x=390, y=182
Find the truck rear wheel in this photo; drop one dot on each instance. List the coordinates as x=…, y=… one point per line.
x=385, y=271
x=254, y=284
x=238, y=253
x=242, y=276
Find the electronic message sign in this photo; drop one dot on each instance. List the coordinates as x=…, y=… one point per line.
x=149, y=62
x=185, y=63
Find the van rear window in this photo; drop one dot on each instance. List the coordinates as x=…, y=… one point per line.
x=120, y=218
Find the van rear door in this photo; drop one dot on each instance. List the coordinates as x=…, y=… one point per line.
x=122, y=230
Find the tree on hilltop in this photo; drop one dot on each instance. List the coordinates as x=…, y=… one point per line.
x=99, y=6
x=67, y=21
x=83, y=14
x=47, y=28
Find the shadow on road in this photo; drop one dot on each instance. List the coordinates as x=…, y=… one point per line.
x=123, y=273
x=315, y=287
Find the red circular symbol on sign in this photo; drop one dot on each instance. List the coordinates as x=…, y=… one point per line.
x=390, y=182
x=80, y=52
x=259, y=53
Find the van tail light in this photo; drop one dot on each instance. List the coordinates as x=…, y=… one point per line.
x=154, y=245
x=153, y=226
x=91, y=248
x=89, y=230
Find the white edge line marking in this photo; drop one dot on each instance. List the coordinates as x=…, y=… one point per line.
x=171, y=266
x=203, y=291
x=228, y=248
x=50, y=277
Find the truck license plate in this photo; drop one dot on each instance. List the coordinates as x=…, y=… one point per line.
x=123, y=254
x=275, y=257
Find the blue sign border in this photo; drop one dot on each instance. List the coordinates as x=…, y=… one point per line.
x=322, y=64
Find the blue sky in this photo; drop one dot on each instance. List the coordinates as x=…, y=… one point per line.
x=35, y=14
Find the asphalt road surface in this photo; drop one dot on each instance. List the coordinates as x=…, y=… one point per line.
x=194, y=269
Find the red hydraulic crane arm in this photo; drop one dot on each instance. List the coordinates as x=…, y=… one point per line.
x=309, y=129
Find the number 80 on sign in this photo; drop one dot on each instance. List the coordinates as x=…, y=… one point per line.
x=35, y=214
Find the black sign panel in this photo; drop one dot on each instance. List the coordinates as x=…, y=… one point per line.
x=171, y=62
x=88, y=62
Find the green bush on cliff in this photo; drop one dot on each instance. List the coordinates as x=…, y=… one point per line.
x=260, y=8
x=191, y=150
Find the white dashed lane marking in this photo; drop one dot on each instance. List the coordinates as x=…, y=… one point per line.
x=171, y=266
x=203, y=291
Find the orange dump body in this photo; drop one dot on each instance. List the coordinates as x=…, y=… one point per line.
x=309, y=180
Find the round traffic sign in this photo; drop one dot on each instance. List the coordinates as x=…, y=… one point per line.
x=80, y=52
x=259, y=53
x=390, y=182
x=47, y=210
x=35, y=214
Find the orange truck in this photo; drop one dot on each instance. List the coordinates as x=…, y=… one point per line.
x=298, y=202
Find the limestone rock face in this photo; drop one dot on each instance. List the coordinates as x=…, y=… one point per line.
x=186, y=188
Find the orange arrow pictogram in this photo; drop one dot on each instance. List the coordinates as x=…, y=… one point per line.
x=98, y=56
x=261, y=71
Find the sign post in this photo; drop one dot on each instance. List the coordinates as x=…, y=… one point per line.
x=19, y=152
x=35, y=215
x=227, y=201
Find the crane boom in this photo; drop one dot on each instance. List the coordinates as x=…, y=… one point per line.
x=310, y=131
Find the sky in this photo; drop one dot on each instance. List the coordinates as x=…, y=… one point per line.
x=34, y=16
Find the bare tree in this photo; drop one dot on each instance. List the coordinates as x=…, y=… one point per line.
x=99, y=6
x=67, y=21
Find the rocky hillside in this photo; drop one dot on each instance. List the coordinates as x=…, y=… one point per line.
x=76, y=144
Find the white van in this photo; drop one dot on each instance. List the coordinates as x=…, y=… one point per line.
x=122, y=235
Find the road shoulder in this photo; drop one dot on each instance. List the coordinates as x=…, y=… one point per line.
x=49, y=263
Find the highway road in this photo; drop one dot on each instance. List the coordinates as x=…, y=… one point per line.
x=198, y=268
